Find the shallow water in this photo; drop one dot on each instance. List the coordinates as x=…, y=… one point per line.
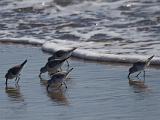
x=105, y=26
x=95, y=91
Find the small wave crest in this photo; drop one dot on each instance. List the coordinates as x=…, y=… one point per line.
x=82, y=52
x=96, y=56
x=23, y=41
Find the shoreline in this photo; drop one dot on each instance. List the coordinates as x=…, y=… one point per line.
x=108, y=58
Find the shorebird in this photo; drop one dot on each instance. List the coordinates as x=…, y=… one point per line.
x=14, y=72
x=139, y=67
x=62, y=54
x=58, y=78
x=52, y=66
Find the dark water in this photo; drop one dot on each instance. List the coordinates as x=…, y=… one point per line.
x=107, y=26
x=95, y=91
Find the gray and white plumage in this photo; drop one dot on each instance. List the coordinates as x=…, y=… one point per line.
x=59, y=78
x=62, y=54
x=14, y=72
x=52, y=66
x=139, y=66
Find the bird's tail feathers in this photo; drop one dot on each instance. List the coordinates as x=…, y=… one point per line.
x=24, y=63
x=74, y=48
x=149, y=60
x=62, y=60
x=69, y=71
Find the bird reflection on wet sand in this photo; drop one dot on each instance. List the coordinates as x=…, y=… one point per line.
x=138, y=85
x=56, y=95
x=14, y=93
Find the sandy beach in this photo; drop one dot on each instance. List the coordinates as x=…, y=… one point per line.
x=96, y=91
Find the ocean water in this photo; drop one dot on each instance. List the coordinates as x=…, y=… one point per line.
x=103, y=30
x=95, y=91
x=123, y=30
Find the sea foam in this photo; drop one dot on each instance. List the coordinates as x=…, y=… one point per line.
x=100, y=57
x=81, y=52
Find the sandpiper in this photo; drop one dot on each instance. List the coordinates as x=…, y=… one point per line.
x=52, y=66
x=14, y=72
x=140, y=66
x=59, y=78
x=62, y=54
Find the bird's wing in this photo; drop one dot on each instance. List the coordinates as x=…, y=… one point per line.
x=53, y=63
x=60, y=53
x=138, y=63
x=14, y=70
x=58, y=76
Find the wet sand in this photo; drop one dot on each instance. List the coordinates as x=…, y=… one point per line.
x=95, y=91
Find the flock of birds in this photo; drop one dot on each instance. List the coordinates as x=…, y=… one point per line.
x=57, y=75
x=53, y=67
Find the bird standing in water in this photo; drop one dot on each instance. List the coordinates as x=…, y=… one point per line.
x=58, y=78
x=62, y=54
x=139, y=67
x=14, y=72
x=52, y=66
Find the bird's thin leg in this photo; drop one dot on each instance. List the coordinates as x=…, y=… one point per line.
x=138, y=74
x=67, y=64
x=18, y=78
x=17, y=86
x=144, y=73
x=6, y=81
x=65, y=84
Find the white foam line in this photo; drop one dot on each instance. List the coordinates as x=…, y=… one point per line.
x=82, y=53
x=89, y=55
x=23, y=41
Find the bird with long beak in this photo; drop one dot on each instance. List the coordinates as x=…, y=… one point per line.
x=139, y=67
x=58, y=78
x=62, y=54
x=14, y=72
x=52, y=66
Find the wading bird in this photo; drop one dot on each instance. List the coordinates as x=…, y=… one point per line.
x=62, y=54
x=58, y=78
x=139, y=67
x=52, y=66
x=14, y=72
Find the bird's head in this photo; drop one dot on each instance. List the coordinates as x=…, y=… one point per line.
x=43, y=70
x=7, y=75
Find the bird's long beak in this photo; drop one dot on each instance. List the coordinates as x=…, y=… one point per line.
x=129, y=75
x=40, y=75
x=149, y=60
x=74, y=48
x=69, y=71
x=6, y=81
x=150, y=57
